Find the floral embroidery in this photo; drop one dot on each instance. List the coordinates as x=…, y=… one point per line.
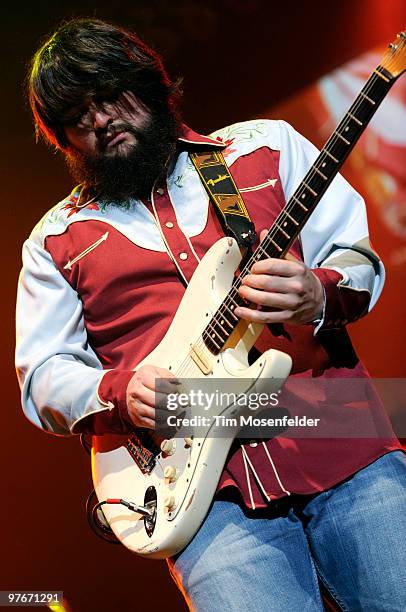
x=227, y=142
x=73, y=208
x=243, y=131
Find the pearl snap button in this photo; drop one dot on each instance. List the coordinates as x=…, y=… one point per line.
x=183, y=256
x=160, y=191
x=169, y=224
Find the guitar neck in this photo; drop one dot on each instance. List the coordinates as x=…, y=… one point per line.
x=302, y=203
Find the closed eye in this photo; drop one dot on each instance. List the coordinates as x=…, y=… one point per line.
x=73, y=118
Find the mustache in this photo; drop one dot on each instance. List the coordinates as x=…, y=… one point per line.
x=105, y=135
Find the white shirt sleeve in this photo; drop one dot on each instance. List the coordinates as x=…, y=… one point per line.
x=58, y=371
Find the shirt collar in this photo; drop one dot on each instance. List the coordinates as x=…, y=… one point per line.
x=189, y=136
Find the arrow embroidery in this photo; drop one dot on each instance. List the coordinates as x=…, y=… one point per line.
x=90, y=248
x=270, y=182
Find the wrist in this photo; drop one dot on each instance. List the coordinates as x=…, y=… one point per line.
x=320, y=299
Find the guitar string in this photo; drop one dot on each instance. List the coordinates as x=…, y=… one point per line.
x=312, y=172
x=284, y=214
x=334, y=138
x=342, y=123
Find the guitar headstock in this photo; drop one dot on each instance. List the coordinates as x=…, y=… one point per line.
x=394, y=60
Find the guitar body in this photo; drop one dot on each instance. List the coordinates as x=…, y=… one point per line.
x=181, y=503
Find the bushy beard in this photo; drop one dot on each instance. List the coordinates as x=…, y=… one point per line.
x=121, y=177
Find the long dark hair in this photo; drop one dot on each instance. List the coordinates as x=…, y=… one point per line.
x=91, y=59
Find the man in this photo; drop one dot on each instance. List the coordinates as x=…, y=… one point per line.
x=104, y=272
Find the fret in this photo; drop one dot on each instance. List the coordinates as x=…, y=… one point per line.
x=215, y=343
x=276, y=244
x=282, y=230
x=354, y=118
x=381, y=75
x=230, y=311
x=256, y=256
x=332, y=156
x=215, y=332
x=260, y=248
x=223, y=319
x=309, y=188
x=221, y=323
x=300, y=204
x=370, y=100
x=290, y=217
x=320, y=172
x=342, y=137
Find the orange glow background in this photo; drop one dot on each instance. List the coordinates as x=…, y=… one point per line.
x=239, y=60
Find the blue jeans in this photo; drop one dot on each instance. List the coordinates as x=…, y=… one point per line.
x=352, y=538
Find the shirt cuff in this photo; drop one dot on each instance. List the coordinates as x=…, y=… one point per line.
x=342, y=304
x=112, y=393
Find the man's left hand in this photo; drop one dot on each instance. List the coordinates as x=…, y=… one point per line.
x=288, y=288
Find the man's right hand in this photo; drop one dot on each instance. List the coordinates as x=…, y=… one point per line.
x=144, y=403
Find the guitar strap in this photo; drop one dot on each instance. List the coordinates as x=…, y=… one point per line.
x=225, y=197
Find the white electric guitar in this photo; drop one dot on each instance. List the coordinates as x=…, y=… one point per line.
x=155, y=495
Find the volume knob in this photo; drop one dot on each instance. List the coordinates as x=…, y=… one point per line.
x=170, y=473
x=169, y=502
x=168, y=447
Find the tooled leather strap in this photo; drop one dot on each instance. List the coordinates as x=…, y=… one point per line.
x=225, y=197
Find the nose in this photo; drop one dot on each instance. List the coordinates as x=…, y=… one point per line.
x=101, y=118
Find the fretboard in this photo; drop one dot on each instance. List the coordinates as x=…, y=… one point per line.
x=302, y=203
